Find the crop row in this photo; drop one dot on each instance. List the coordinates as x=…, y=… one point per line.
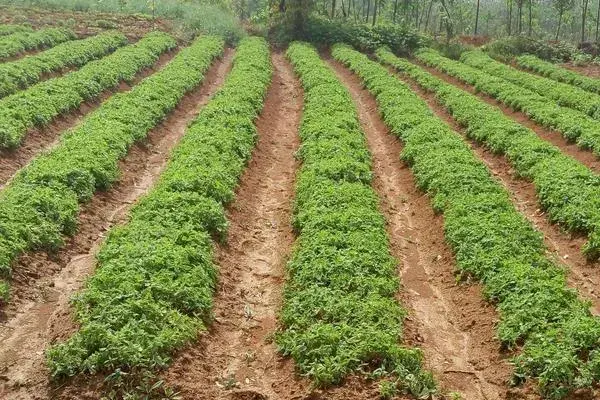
x=41, y=203
x=18, y=42
x=152, y=292
x=564, y=94
x=568, y=191
x=557, y=73
x=41, y=103
x=574, y=125
x=8, y=29
x=24, y=72
x=339, y=308
x=492, y=241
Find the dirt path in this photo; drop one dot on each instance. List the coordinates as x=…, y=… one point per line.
x=585, y=157
x=39, y=312
x=451, y=323
x=236, y=359
x=40, y=139
x=563, y=247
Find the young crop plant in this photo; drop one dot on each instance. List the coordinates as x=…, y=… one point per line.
x=557, y=73
x=41, y=103
x=556, y=336
x=16, y=43
x=8, y=29
x=41, y=203
x=568, y=191
x=152, y=292
x=572, y=124
x=339, y=310
x=564, y=94
x=19, y=74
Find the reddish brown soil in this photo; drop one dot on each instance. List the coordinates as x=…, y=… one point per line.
x=562, y=246
x=44, y=138
x=83, y=23
x=450, y=322
x=236, y=359
x=583, y=156
x=591, y=70
x=39, y=313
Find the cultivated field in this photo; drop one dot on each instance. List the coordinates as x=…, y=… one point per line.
x=217, y=219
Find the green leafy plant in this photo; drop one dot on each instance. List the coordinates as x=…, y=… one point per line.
x=538, y=311
x=152, y=291
x=573, y=124
x=41, y=203
x=563, y=94
x=7, y=29
x=568, y=191
x=17, y=75
x=339, y=312
x=41, y=103
x=23, y=39
x=558, y=73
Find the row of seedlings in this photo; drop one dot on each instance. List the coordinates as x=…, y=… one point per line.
x=538, y=313
x=42, y=103
x=572, y=124
x=562, y=93
x=339, y=312
x=8, y=29
x=41, y=203
x=18, y=42
x=557, y=73
x=152, y=291
x=19, y=74
x=568, y=191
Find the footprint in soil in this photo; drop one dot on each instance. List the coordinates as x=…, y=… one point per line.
x=247, y=395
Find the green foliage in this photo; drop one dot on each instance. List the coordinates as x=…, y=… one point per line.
x=557, y=73
x=40, y=104
x=573, y=124
x=19, y=74
x=41, y=202
x=339, y=311
x=10, y=29
x=562, y=93
x=507, y=48
x=16, y=43
x=363, y=36
x=492, y=241
x=152, y=291
x=568, y=191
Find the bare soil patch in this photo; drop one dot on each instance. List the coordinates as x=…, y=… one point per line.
x=83, y=23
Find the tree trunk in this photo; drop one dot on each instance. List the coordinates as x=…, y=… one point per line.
x=520, y=5
x=333, y=5
x=368, y=10
x=510, y=4
x=429, y=14
x=477, y=18
x=583, y=16
x=597, y=21
x=530, y=18
x=374, y=11
x=396, y=9
x=560, y=14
